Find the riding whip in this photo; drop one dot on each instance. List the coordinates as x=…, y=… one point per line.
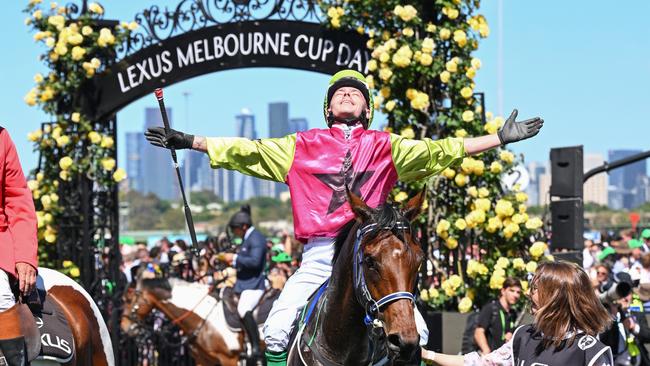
x=188, y=213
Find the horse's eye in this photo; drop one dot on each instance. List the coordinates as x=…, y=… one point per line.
x=370, y=263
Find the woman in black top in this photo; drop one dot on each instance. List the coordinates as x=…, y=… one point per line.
x=567, y=318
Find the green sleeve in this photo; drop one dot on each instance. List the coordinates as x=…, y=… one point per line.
x=264, y=158
x=418, y=159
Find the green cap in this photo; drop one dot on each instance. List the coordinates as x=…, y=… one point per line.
x=282, y=257
x=634, y=243
x=606, y=252
x=645, y=234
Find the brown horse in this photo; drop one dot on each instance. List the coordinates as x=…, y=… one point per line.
x=92, y=342
x=190, y=306
x=369, y=294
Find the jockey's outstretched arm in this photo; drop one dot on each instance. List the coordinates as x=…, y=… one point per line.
x=511, y=131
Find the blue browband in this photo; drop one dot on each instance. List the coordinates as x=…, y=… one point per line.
x=361, y=289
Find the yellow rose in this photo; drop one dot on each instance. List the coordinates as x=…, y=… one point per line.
x=108, y=163
x=385, y=73
x=507, y=157
x=431, y=28
x=406, y=13
x=74, y=272
x=502, y=262
x=460, y=179
x=424, y=295
x=67, y=264
x=460, y=133
x=468, y=116
x=466, y=92
x=420, y=102
x=433, y=293
x=38, y=14
x=50, y=237
x=465, y=305
x=372, y=65
x=119, y=175
x=78, y=53
x=46, y=201
x=30, y=98
x=65, y=162
x=401, y=196
x=455, y=281
x=496, y=167
x=107, y=142
x=521, y=197
x=133, y=26
x=472, y=191
x=451, y=243
x=460, y=38
x=75, y=117
x=518, y=218
x=524, y=285
x=483, y=192
x=62, y=140
x=518, y=264
x=428, y=45
x=445, y=76
x=470, y=73
x=504, y=208
x=531, y=267
x=408, y=133
x=94, y=137
x=534, y=223
x=443, y=225
x=64, y=175
x=105, y=37
x=451, y=66
x=408, y=32
x=537, y=249
x=452, y=13
x=95, y=63
x=496, y=282
x=95, y=8
x=444, y=33
x=57, y=20
x=426, y=59
x=86, y=30
x=483, y=204
x=60, y=49
x=476, y=63
x=466, y=165
x=38, y=78
x=460, y=224
x=390, y=105
x=75, y=39
x=448, y=173
x=491, y=127
x=32, y=184
x=336, y=22
x=484, y=30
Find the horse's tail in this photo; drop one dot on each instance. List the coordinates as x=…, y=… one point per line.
x=52, y=278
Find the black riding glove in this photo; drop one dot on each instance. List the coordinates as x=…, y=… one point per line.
x=172, y=140
x=513, y=131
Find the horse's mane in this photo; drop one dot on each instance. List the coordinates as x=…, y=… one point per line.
x=156, y=283
x=384, y=216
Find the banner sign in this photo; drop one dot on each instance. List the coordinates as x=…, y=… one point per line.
x=269, y=43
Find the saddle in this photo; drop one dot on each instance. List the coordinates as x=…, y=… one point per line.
x=260, y=313
x=48, y=335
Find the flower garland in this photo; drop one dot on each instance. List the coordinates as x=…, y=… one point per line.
x=422, y=72
x=70, y=146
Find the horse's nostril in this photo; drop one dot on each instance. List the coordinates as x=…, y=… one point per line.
x=394, y=342
x=397, y=345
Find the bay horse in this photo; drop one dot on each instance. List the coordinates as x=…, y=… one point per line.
x=369, y=294
x=92, y=341
x=190, y=306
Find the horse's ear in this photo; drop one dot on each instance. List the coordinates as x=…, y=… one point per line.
x=361, y=211
x=414, y=206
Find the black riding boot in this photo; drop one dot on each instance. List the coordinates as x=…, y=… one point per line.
x=250, y=325
x=13, y=351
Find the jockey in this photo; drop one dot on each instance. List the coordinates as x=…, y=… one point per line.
x=18, y=245
x=318, y=164
x=249, y=262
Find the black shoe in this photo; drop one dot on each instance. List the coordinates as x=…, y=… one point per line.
x=250, y=326
x=12, y=352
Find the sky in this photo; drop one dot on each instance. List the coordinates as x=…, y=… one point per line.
x=583, y=66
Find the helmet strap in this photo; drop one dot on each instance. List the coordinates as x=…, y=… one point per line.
x=348, y=121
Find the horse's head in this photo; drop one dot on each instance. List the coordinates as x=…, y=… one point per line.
x=140, y=299
x=386, y=259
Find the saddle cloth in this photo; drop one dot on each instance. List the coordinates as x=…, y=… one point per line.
x=57, y=341
x=261, y=312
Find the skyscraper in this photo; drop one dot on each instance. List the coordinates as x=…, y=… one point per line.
x=298, y=124
x=246, y=186
x=278, y=127
x=204, y=174
x=626, y=184
x=535, y=170
x=156, y=164
x=134, y=143
x=595, y=189
x=224, y=184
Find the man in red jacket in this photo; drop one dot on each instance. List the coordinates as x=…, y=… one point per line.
x=18, y=241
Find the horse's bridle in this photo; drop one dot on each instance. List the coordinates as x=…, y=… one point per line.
x=373, y=308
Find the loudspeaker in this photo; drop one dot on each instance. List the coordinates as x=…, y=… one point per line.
x=566, y=171
x=567, y=224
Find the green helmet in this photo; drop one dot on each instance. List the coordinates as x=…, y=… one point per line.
x=353, y=79
x=281, y=257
